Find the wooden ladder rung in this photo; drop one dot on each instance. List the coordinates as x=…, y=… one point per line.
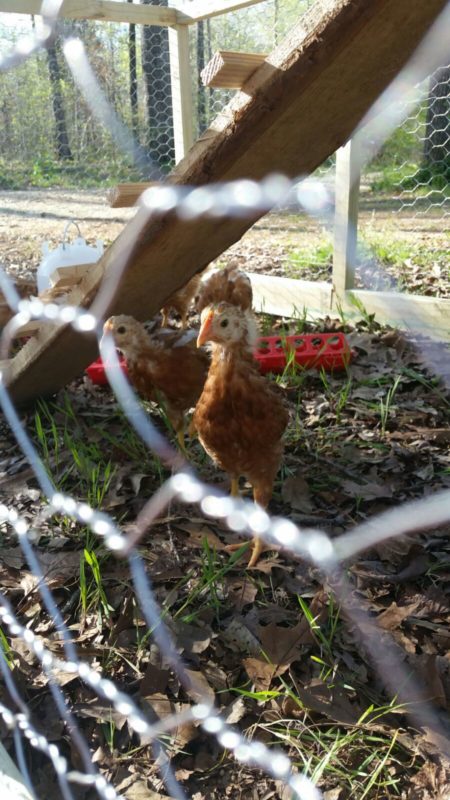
x=230, y=70
x=125, y=195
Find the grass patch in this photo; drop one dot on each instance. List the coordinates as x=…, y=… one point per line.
x=313, y=262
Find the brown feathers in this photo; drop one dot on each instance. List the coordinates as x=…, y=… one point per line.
x=163, y=366
x=240, y=417
x=227, y=285
x=181, y=301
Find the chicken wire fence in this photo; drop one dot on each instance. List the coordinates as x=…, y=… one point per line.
x=75, y=767
x=49, y=138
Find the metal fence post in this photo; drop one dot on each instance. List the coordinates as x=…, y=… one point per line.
x=346, y=216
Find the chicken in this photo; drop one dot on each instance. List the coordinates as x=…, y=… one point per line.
x=227, y=285
x=180, y=301
x=164, y=365
x=240, y=417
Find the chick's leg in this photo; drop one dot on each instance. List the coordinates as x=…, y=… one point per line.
x=261, y=496
x=177, y=421
x=192, y=430
x=257, y=549
x=234, y=490
x=180, y=439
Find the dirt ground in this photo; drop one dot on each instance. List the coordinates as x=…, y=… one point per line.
x=29, y=218
x=271, y=644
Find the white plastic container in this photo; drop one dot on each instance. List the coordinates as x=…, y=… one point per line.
x=66, y=255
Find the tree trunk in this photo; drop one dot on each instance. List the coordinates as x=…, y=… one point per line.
x=156, y=69
x=61, y=136
x=132, y=62
x=436, y=152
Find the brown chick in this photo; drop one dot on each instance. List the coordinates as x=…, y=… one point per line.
x=164, y=365
x=180, y=301
x=240, y=417
x=227, y=285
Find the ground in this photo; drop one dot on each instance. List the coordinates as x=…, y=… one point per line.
x=398, y=247
x=272, y=643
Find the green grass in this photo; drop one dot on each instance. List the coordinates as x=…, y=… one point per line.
x=365, y=758
x=314, y=261
x=413, y=176
x=92, y=591
x=75, y=459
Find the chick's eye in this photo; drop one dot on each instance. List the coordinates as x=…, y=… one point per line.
x=121, y=329
x=224, y=323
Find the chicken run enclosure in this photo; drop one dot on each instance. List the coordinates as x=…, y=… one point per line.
x=304, y=144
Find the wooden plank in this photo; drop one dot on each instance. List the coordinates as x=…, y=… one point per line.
x=5, y=366
x=302, y=104
x=346, y=215
x=288, y=297
x=125, y=195
x=229, y=70
x=427, y=315
x=12, y=784
x=205, y=9
x=104, y=10
x=68, y=276
x=182, y=96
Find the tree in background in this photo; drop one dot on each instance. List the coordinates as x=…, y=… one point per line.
x=436, y=153
x=156, y=70
x=132, y=62
x=62, y=145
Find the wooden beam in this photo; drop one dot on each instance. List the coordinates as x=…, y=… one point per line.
x=419, y=313
x=104, y=10
x=125, y=195
x=205, y=9
x=346, y=215
x=230, y=70
x=288, y=297
x=302, y=104
x=182, y=94
x=63, y=277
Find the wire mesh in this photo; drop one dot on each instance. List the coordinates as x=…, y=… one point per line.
x=408, y=180
x=313, y=545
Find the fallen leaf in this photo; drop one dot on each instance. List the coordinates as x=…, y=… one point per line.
x=101, y=711
x=295, y=491
x=393, y=616
x=199, y=688
x=241, y=592
x=234, y=712
x=280, y=647
x=367, y=491
x=239, y=638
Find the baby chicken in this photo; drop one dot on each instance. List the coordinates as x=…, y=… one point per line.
x=164, y=365
x=227, y=285
x=181, y=301
x=240, y=417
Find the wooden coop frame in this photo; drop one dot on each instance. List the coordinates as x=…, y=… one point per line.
x=270, y=125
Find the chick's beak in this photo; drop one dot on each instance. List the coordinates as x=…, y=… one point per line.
x=205, y=328
x=108, y=326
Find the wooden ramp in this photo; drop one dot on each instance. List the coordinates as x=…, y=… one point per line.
x=292, y=113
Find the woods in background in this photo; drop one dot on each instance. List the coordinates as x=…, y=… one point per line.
x=49, y=136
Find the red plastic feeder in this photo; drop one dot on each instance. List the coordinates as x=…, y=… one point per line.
x=97, y=373
x=329, y=351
